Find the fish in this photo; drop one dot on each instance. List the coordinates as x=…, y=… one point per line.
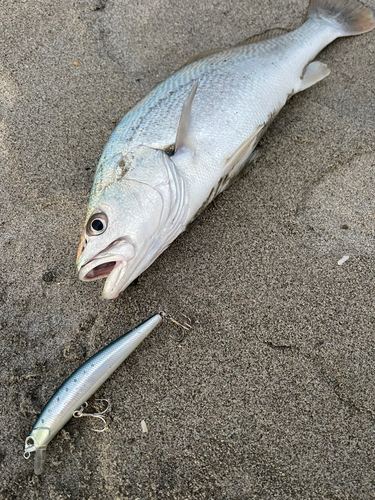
x=80, y=386
x=191, y=137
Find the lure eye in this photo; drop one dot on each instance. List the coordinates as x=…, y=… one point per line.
x=30, y=441
x=97, y=224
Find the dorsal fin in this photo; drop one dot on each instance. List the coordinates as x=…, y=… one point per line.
x=201, y=55
x=183, y=137
x=267, y=35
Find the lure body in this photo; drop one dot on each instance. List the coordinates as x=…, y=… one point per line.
x=80, y=386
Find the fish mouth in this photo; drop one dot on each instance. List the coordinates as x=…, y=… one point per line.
x=100, y=271
x=110, y=263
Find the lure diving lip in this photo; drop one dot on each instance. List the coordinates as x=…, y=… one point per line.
x=80, y=386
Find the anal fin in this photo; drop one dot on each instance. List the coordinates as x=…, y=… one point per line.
x=314, y=72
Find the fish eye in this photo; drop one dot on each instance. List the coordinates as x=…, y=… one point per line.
x=97, y=224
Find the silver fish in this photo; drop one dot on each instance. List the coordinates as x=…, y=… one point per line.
x=80, y=386
x=191, y=136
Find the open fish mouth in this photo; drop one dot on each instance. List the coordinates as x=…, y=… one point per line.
x=110, y=263
x=101, y=271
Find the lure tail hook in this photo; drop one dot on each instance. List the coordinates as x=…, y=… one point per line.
x=185, y=326
x=80, y=413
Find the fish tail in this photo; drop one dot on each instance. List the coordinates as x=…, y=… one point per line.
x=348, y=17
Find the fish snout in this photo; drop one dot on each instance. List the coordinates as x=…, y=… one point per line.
x=107, y=262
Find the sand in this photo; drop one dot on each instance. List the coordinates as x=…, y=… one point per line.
x=271, y=394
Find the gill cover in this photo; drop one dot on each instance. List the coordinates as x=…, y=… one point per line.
x=144, y=198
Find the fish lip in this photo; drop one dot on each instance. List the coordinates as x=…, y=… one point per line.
x=104, y=257
x=84, y=273
x=113, y=284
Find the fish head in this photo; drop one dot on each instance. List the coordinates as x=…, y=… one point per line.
x=128, y=220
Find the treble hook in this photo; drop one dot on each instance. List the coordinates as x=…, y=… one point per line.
x=80, y=413
x=185, y=326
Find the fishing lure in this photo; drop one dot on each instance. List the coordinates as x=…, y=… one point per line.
x=80, y=386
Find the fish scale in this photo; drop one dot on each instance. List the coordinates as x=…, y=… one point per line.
x=163, y=105
x=155, y=121
x=214, y=126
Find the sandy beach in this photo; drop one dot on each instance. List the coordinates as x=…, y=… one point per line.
x=271, y=394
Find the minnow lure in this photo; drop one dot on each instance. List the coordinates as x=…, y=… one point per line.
x=80, y=386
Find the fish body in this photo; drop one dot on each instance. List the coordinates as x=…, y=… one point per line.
x=80, y=386
x=190, y=138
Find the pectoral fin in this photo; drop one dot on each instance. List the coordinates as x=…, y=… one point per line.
x=235, y=164
x=242, y=153
x=314, y=72
x=184, y=137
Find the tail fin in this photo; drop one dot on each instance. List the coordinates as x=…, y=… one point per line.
x=350, y=17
